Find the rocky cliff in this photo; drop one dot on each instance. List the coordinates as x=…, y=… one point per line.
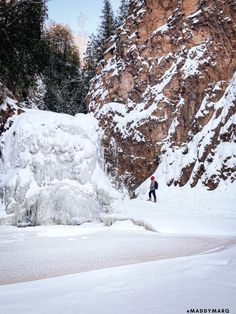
x=165, y=93
x=8, y=108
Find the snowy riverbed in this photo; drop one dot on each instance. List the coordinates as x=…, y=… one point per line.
x=168, y=286
x=42, y=252
x=190, y=264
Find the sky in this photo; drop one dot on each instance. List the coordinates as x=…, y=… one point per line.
x=82, y=16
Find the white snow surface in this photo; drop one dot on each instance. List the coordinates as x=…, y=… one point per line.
x=49, y=251
x=8, y=101
x=52, y=170
x=162, y=29
x=181, y=211
x=194, y=59
x=169, y=286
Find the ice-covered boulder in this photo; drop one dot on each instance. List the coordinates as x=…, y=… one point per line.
x=52, y=170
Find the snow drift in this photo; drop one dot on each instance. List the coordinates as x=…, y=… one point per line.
x=52, y=170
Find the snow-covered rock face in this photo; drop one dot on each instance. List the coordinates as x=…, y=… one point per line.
x=8, y=107
x=165, y=93
x=51, y=170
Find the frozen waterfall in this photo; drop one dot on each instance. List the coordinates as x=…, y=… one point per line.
x=51, y=170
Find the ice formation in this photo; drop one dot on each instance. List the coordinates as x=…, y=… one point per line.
x=52, y=170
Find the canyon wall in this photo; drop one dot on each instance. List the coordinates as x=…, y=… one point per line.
x=165, y=93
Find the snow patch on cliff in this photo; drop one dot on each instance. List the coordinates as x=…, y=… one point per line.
x=195, y=58
x=162, y=29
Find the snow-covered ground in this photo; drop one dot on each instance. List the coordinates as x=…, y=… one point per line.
x=49, y=251
x=181, y=210
x=163, y=272
x=168, y=286
x=172, y=286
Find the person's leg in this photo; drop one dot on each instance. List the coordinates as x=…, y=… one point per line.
x=150, y=193
x=154, y=195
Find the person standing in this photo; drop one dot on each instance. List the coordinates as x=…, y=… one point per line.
x=153, y=187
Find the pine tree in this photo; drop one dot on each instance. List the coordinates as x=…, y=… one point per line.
x=122, y=12
x=97, y=45
x=63, y=76
x=62, y=53
x=28, y=52
x=106, y=29
x=21, y=24
x=91, y=57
